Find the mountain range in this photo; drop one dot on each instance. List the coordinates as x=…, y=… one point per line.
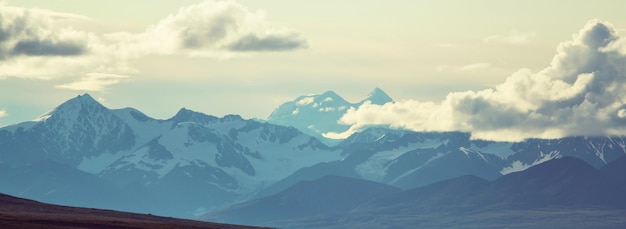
x=562, y=189
x=84, y=154
x=203, y=161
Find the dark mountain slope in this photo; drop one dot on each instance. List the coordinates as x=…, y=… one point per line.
x=616, y=170
x=327, y=195
x=566, y=182
x=57, y=183
x=563, y=193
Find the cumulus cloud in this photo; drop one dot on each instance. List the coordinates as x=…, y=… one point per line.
x=93, y=82
x=581, y=92
x=216, y=28
x=514, y=37
x=34, y=45
x=29, y=32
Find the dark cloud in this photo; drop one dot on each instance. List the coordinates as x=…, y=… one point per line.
x=208, y=34
x=253, y=43
x=35, y=47
x=599, y=35
x=24, y=32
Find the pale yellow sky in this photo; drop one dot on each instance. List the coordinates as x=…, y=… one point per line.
x=411, y=49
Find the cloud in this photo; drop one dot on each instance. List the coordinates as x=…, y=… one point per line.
x=514, y=37
x=3, y=113
x=34, y=45
x=253, y=43
x=29, y=32
x=93, y=82
x=464, y=68
x=217, y=28
x=581, y=92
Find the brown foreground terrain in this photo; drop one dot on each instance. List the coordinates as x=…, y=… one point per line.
x=23, y=213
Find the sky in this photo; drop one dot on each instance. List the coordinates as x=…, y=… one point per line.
x=248, y=57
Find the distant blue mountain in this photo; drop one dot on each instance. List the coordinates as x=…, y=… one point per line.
x=408, y=159
x=322, y=197
x=319, y=114
x=567, y=188
x=193, y=163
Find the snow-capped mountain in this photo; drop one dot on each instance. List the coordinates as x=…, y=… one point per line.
x=78, y=128
x=410, y=159
x=193, y=162
x=204, y=161
x=319, y=114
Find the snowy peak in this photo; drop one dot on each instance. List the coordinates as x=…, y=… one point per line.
x=78, y=128
x=185, y=115
x=74, y=106
x=319, y=114
x=80, y=101
x=378, y=97
x=330, y=97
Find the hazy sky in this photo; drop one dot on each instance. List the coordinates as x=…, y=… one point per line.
x=247, y=57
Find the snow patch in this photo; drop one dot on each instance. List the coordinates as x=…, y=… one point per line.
x=327, y=109
x=518, y=166
x=467, y=153
x=305, y=101
x=435, y=157
x=500, y=149
x=375, y=168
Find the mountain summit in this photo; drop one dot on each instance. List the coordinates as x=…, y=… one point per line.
x=378, y=97
x=319, y=114
x=75, y=105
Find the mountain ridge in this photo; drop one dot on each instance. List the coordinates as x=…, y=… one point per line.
x=210, y=162
x=560, y=191
x=317, y=114
x=221, y=159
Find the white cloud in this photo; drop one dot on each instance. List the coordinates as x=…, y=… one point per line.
x=582, y=92
x=93, y=82
x=3, y=113
x=215, y=29
x=30, y=33
x=471, y=67
x=34, y=45
x=514, y=37
x=464, y=68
